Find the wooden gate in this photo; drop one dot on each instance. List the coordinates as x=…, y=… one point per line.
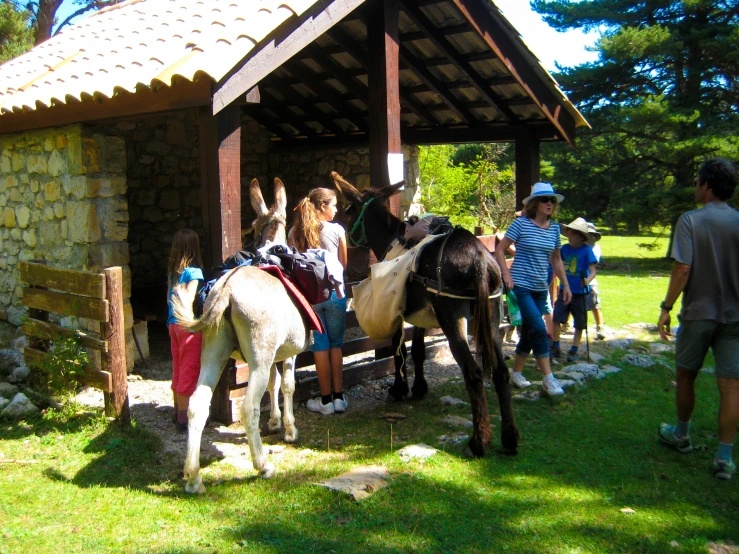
x=95, y=296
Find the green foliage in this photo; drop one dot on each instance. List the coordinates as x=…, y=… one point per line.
x=663, y=96
x=16, y=37
x=467, y=184
x=65, y=364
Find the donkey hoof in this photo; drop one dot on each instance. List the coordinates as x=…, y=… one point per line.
x=274, y=428
x=195, y=487
x=268, y=471
x=398, y=392
x=291, y=437
x=474, y=450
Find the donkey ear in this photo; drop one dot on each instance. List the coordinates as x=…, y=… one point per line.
x=388, y=191
x=346, y=189
x=280, y=196
x=255, y=195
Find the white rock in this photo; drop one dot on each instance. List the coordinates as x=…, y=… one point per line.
x=638, y=360
x=457, y=421
x=573, y=375
x=416, y=451
x=6, y=389
x=565, y=383
x=20, y=374
x=19, y=407
x=596, y=358
x=611, y=369
x=660, y=347
x=3, y=402
x=19, y=343
x=360, y=482
x=529, y=396
x=455, y=439
x=651, y=327
x=588, y=370
x=619, y=343
x=451, y=401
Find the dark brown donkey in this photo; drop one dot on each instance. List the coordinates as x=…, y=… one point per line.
x=465, y=265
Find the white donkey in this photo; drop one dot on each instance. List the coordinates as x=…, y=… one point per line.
x=249, y=309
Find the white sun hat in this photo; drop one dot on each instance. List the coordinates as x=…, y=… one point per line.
x=584, y=227
x=542, y=189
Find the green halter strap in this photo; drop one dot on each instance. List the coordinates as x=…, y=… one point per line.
x=359, y=224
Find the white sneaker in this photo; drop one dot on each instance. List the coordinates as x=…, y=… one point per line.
x=552, y=387
x=316, y=405
x=519, y=380
x=341, y=404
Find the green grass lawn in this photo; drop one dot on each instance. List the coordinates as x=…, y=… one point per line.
x=95, y=488
x=633, y=280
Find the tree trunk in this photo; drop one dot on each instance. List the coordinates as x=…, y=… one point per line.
x=45, y=15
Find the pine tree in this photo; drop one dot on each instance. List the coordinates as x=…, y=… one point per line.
x=662, y=96
x=15, y=35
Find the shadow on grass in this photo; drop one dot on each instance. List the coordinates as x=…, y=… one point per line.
x=635, y=266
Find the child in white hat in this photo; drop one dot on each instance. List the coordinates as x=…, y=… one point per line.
x=579, y=262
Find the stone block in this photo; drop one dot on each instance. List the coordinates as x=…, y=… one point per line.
x=48, y=213
x=5, y=163
x=176, y=133
x=53, y=191
x=22, y=216
x=127, y=314
x=193, y=198
x=3, y=200
x=112, y=213
x=15, y=234
x=49, y=234
x=153, y=214
x=36, y=163
x=57, y=164
x=29, y=237
x=90, y=156
x=146, y=196
x=61, y=142
x=59, y=211
x=3, y=184
x=107, y=255
x=15, y=195
x=38, y=201
x=142, y=334
x=83, y=223
x=169, y=200
x=35, y=186
x=127, y=281
x=363, y=181
x=11, y=181
x=9, y=217
x=112, y=153
x=18, y=161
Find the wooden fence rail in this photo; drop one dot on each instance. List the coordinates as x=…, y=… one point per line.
x=95, y=296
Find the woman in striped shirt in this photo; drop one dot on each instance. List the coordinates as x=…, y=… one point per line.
x=537, y=241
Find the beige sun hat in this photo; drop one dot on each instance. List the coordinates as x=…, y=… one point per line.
x=592, y=231
x=582, y=226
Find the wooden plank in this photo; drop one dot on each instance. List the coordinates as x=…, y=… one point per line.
x=220, y=405
x=49, y=331
x=123, y=105
x=527, y=166
x=257, y=65
x=66, y=304
x=84, y=283
x=115, y=357
x=482, y=133
x=384, y=91
x=93, y=377
x=495, y=35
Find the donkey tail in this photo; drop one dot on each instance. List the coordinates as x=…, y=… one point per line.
x=487, y=354
x=218, y=301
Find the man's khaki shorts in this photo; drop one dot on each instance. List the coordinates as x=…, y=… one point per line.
x=696, y=337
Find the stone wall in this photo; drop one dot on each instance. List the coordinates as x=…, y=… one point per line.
x=62, y=197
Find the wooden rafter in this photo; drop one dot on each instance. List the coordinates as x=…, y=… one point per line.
x=490, y=29
x=295, y=98
x=439, y=41
x=257, y=65
x=435, y=85
x=285, y=115
x=328, y=93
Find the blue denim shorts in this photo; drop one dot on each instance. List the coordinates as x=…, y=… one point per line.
x=333, y=317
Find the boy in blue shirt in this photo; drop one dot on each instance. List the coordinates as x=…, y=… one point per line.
x=579, y=262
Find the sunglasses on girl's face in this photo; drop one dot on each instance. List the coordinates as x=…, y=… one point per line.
x=548, y=200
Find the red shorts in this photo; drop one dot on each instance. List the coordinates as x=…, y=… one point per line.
x=186, y=347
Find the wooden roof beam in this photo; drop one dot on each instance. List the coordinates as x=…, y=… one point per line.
x=439, y=41
x=493, y=33
x=257, y=65
x=463, y=83
x=328, y=93
x=435, y=86
x=285, y=115
x=501, y=132
x=299, y=100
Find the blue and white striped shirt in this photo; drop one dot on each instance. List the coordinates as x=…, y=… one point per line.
x=534, y=246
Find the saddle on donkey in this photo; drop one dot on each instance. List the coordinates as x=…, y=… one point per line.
x=379, y=300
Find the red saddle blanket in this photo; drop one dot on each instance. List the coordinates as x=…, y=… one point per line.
x=312, y=321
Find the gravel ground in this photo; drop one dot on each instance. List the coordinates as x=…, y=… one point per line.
x=150, y=398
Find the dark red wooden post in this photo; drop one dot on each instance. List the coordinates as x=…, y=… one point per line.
x=527, y=166
x=384, y=90
x=220, y=170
